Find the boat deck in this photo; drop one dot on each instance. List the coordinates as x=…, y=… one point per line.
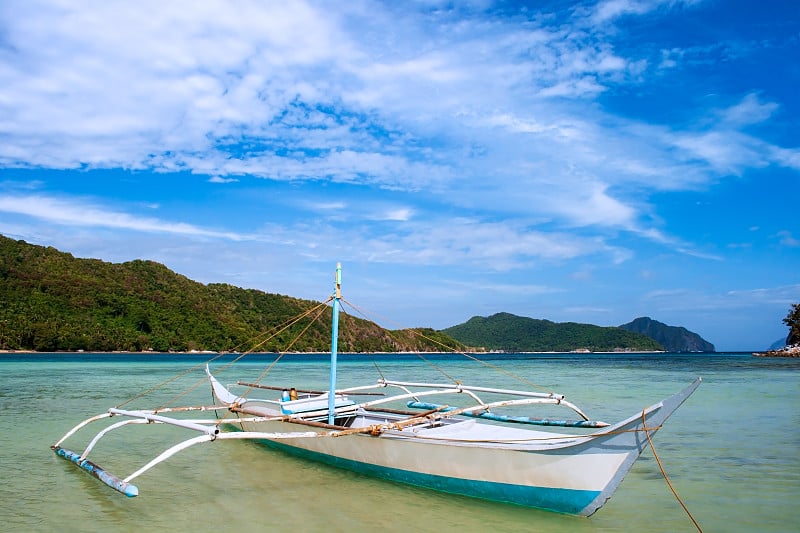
x=450, y=430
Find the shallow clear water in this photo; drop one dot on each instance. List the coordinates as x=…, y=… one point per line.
x=731, y=450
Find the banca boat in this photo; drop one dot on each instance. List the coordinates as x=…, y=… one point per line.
x=450, y=437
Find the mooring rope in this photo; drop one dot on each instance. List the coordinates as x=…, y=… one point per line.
x=664, y=473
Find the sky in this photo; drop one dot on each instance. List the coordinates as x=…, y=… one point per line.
x=588, y=162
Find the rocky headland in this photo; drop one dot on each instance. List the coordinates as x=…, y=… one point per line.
x=787, y=351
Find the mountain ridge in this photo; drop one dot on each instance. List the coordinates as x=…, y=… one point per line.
x=56, y=302
x=672, y=338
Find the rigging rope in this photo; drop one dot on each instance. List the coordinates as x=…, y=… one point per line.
x=284, y=352
x=418, y=354
x=268, y=335
x=168, y=381
x=417, y=332
x=265, y=337
x=320, y=309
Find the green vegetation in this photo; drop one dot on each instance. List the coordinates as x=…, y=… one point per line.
x=52, y=301
x=793, y=321
x=511, y=333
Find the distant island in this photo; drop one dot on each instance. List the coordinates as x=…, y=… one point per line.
x=512, y=333
x=53, y=301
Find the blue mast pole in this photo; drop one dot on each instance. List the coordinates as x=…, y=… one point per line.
x=337, y=295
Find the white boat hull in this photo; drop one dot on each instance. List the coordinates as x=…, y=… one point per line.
x=567, y=474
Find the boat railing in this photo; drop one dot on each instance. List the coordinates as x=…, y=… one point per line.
x=462, y=387
x=440, y=389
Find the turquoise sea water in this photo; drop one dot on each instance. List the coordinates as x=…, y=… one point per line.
x=731, y=450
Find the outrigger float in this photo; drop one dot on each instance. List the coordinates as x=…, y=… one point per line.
x=450, y=437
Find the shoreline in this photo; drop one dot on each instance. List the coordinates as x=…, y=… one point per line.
x=786, y=351
x=494, y=353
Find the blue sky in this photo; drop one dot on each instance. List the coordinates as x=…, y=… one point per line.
x=575, y=161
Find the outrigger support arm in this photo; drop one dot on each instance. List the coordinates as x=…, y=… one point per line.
x=208, y=438
x=209, y=429
x=112, y=427
x=74, y=430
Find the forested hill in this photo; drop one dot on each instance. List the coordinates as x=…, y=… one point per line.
x=51, y=301
x=511, y=333
x=672, y=338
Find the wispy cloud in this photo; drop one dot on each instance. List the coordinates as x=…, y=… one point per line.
x=609, y=10
x=82, y=213
x=785, y=295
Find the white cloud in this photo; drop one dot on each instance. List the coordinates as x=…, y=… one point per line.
x=787, y=239
x=611, y=9
x=485, y=113
x=789, y=158
x=219, y=179
x=400, y=214
x=751, y=110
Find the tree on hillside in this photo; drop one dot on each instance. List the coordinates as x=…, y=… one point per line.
x=793, y=321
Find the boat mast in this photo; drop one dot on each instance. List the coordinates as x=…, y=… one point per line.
x=337, y=295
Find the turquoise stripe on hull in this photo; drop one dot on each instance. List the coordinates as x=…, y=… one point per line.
x=566, y=501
